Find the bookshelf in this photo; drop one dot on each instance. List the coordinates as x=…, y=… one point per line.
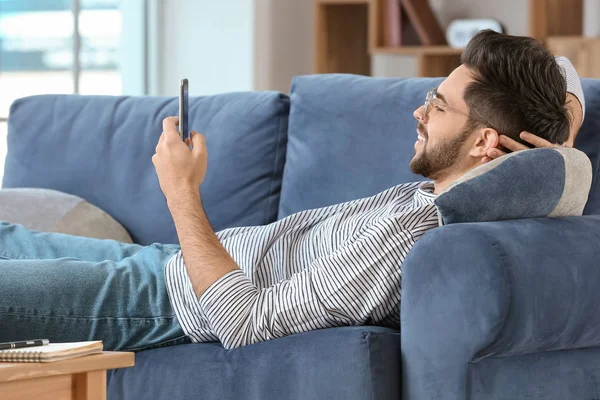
x=348, y=32
x=341, y=36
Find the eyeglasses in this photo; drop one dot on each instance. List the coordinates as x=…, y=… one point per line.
x=432, y=99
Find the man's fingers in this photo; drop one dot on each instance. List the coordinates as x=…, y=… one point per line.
x=495, y=153
x=198, y=141
x=511, y=144
x=170, y=123
x=536, y=140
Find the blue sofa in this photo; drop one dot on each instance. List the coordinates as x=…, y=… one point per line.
x=498, y=310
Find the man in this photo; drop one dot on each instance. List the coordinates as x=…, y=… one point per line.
x=334, y=266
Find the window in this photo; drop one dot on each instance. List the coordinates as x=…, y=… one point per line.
x=58, y=46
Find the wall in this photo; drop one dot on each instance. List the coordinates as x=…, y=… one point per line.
x=209, y=42
x=283, y=39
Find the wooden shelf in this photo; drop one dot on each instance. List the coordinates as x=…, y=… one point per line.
x=583, y=52
x=341, y=36
x=419, y=50
x=348, y=32
x=344, y=2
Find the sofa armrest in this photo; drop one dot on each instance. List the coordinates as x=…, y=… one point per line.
x=480, y=290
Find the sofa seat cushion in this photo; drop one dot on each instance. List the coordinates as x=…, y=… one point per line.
x=100, y=148
x=49, y=210
x=339, y=363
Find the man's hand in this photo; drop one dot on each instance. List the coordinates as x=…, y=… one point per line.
x=576, y=112
x=513, y=145
x=179, y=168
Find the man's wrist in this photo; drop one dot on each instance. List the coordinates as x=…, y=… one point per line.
x=183, y=195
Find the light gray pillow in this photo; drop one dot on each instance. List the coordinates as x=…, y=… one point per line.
x=49, y=210
x=547, y=182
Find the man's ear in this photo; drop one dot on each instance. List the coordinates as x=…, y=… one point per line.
x=486, y=139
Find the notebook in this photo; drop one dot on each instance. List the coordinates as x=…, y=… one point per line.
x=51, y=352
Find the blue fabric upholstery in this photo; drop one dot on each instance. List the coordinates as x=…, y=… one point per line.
x=588, y=140
x=548, y=375
x=350, y=363
x=349, y=137
x=525, y=184
x=100, y=148
x=498, y=289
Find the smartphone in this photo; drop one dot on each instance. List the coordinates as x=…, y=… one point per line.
x=183, y=109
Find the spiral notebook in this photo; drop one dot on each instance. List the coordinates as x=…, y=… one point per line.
x=51, y=352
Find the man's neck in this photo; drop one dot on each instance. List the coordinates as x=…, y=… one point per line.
x=441, y=184
x=448, y=177
x=439, y=187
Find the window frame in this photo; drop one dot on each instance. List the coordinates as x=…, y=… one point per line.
x=139, y=22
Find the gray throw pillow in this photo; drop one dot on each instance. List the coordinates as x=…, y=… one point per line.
x=547, y=182
x=49, y=210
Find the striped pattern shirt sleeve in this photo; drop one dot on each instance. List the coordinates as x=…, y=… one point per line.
x=331, y=292
x=573, y=80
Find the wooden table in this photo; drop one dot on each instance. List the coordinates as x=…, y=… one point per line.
x=82, y=378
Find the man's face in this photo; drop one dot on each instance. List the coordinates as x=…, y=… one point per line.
x=442, y=141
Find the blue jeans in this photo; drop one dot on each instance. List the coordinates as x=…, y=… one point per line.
x=69, y=288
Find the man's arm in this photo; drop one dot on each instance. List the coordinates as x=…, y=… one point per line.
x=206, y=260
x=575, y=97
x=358, y=281
x=180, y=172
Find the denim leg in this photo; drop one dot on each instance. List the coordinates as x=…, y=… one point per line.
x=112, y=292
x=16, y=241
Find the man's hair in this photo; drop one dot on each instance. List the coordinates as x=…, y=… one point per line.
x=518, y=86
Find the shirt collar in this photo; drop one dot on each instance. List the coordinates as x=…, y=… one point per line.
x=424, y=195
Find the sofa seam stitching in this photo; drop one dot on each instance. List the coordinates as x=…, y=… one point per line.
x=366, y=339
x=507, y=300
x=79, y=317
x=279, y=136
x=508, y=297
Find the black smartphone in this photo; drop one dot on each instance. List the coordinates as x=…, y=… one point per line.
x=183, y=109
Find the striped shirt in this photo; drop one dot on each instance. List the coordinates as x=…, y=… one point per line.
x=573, y=80
x=333, y=266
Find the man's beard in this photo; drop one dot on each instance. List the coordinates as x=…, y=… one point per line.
x=433, y=162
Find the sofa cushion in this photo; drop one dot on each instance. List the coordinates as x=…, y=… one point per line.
x=100, y=148
x=349, y=137
x=525, y=184
x=53, y=211
x=350, y=363
x=588, y=140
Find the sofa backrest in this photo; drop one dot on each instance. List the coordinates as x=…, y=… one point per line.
x=100, y=148
x=353, y=136
x=588, y=140
x=349, y=137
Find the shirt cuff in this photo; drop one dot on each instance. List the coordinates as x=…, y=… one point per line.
x=226, y=304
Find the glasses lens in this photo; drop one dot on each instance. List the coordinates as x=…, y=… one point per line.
x=427, y=105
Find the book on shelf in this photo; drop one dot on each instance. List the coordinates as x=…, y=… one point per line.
x=424, y=21
x=391, y=25
x=397, y=27
x=408, y=34
x=51, y=352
